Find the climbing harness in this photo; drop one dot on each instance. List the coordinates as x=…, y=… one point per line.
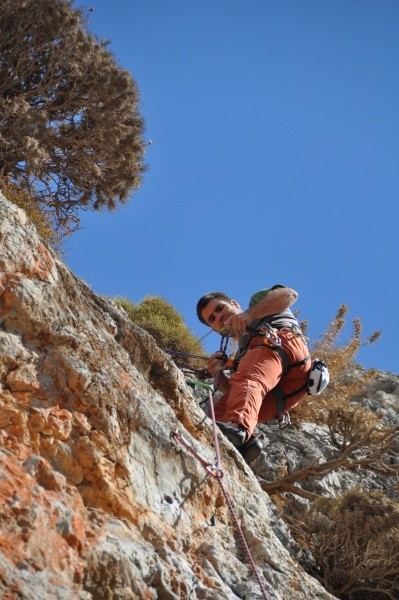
x=216, y=471
x=270, y=338
x=268, y=335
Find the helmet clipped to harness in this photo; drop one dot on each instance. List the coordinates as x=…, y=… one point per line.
x=319, y=377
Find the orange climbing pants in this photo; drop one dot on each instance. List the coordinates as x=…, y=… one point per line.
x=250, y=399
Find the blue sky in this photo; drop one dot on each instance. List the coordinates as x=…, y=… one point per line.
x=274, y=159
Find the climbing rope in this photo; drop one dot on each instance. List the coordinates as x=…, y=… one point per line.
x=179, y=354
x=216, y=471
x=185, y=354
x=181, y=358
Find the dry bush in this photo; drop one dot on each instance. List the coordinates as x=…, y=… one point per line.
x=354, y=542
x=38, y=217
x=348, y=424
x=70, y=128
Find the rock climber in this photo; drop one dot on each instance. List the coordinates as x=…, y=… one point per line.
x=272, y=362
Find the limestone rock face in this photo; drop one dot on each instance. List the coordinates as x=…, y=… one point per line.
x=97, y=499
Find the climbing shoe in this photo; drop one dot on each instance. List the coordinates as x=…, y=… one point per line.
x=235, y=433
x=251, y=449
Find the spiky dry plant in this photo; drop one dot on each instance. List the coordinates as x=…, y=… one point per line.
x=341, y=361
x=70, y=128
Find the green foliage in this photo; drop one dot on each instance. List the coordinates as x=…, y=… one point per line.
x=163, y=322
x=71, y=132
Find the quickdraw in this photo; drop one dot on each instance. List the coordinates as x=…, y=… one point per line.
x=269, y=334
x=284, y=420
x=212, y=469
x=229, y=363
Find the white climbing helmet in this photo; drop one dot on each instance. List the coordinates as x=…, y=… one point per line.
x=318, y=378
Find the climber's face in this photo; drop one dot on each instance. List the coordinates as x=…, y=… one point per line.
x=216, y=312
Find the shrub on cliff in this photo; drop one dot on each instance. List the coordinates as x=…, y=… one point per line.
x=71, y=133
x=355, y=541
x=163, y=322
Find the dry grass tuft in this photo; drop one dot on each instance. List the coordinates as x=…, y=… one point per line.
x=37, y=215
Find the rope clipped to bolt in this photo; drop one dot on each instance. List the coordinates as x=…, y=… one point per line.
x=216, y=471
